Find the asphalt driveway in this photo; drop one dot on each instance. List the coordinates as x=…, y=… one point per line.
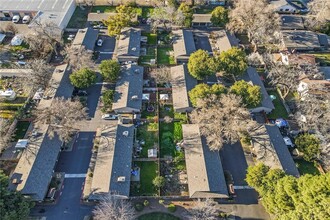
x=106, y=50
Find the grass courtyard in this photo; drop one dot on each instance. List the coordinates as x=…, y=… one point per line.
x=279, y=111
x=149, y=134
x=170, y=134
x=21, y=128
x=148, y=171
x=305, y=167
x=164, y=56
x=79, y=18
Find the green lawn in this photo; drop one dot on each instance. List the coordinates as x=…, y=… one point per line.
x=166, y=110
x=306, y=167
x=152, y=38
x=323, y=58
x=149, y=170
x=164, y=57
x=149, y=135
x=279, y=111
x=21, y=129
x=146, y=11
x=151, y=54
x=181, y=116
x=104, y=8
x=158, y=216
x=79, y=18
x=169, y=134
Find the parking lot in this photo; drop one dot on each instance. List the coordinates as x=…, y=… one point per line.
x=108, y=47
x=202, y=40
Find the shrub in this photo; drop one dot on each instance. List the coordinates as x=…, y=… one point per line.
x=139, y=206
x=161, y=201
x=171, y=207
x=146, y=203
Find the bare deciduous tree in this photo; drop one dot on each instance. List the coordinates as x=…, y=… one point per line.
x=79, y=57
x=40, y=75
x=166, y=15
x=112, y=207
x=5, y=133
x=204, y=209
x=11, y=28
x=62, y=117
x=255, y=59
x=288, y=77
x=221, y=119
x=38, y=44
x=319, y=13
x=161, y=74
x=168, y=119
x=49, y=31
x=257, y=19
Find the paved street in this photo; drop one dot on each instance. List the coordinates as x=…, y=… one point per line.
x=68, y=204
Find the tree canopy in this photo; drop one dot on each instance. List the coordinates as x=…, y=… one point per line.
x=219, y=16
x=109, y=70
x=13, y=205
x=121, y=19
x=221, y=119
x=83, y=78
x=287, y=197
x=200, y=64
x=202, y=90
x=187, y=12
x=251, y=95
x=233, y=62
x=309, y=145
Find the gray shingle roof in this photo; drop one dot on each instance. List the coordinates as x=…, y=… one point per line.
x=253, y=75
x=86, y=37
x=35, y=167
x=270, y=148
x=224, y=41
x=204, y=169
x=301, y=40
x=183, y=43
x=202, y=18
x=129, y=43
x=114, y=160
x=182, y=82
x=128, y=91
x=292, y=22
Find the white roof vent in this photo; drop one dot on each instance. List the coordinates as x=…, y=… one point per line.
x=135, y=97
x=121, y=179
x=125, y=133
x=137, y=71
x=134, y=48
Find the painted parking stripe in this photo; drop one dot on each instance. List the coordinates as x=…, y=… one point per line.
x=243, y=187
x=80, y=175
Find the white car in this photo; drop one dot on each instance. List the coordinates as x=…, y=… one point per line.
x=16, y=19
x=109, y=117
x=26, y=19
x=99, y=42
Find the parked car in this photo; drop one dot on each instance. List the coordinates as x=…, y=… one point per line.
x=16, y=19
x=99, y=42
x=110, y=117
x=26, y=19
x=79, y=93
x=288, y=142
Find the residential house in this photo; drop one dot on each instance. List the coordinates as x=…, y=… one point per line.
x=182, y=82
x=201, y=20
x=222, y=41
x=289, y=6
x=128, y=91
x=35, y=167
x=112, y=171
x=204, y=169
x=269, y=147
x=317, y=85
x=183, y=45
x=300, y=40
x=86, y=37
x=266, y=104
x=292, y=22
x=129, y=45
x=299, y=59
x=58, y=12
